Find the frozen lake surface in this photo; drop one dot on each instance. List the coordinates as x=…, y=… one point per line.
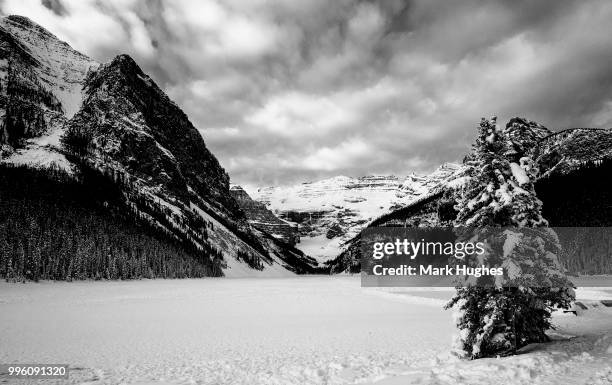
x=302, y=330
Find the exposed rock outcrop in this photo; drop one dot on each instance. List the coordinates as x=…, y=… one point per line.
x=261, y=218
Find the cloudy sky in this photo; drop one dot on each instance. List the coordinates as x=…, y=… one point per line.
x=285, y=91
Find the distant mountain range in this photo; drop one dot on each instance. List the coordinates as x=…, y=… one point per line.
x=332, y=211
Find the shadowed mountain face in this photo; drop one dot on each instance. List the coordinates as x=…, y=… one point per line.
x=261, y=218
x=62, y=110
x=126, y=118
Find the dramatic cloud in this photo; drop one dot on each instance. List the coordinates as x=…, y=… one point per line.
x=285, y=91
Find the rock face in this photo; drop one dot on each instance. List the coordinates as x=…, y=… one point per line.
x=59, y=108
x=127, y=119
x=524, y=136
x=417, y=186
x=263, y=219
x=568, y=150
x=332, y=211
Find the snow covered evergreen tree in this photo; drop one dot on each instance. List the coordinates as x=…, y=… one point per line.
x=502, y=314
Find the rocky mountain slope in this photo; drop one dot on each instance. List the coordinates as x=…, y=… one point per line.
x=567, y=150
x=59, y=108
x=332, y=211
x=261, y=218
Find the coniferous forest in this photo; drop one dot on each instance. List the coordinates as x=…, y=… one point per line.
x=579, y=198
x=578, y=205
x=55, y=226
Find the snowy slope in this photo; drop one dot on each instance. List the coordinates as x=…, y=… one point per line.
x=301, y=330
x=332, y=211
x=60, y=70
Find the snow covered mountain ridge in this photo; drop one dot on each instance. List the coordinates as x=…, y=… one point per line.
x=59, y=108
x=330, y=212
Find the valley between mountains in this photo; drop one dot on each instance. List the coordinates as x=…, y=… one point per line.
x=103, y=176
x=70, y=125
x=328, y=213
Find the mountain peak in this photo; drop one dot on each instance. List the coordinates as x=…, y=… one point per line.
x=26, y=23
x=123, y=71
x=36, y=52
x=125, y=61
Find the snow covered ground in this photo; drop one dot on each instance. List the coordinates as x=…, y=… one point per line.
x=320, y=247
x=299, y=330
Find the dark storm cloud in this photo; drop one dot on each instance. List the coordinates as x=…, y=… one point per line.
x=56, y=6
x=287, y=90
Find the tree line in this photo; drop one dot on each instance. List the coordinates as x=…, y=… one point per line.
x=56, y=226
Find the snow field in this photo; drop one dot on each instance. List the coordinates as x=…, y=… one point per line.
x=299, y=330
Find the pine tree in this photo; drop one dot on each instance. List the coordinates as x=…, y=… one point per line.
x=500, y=315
